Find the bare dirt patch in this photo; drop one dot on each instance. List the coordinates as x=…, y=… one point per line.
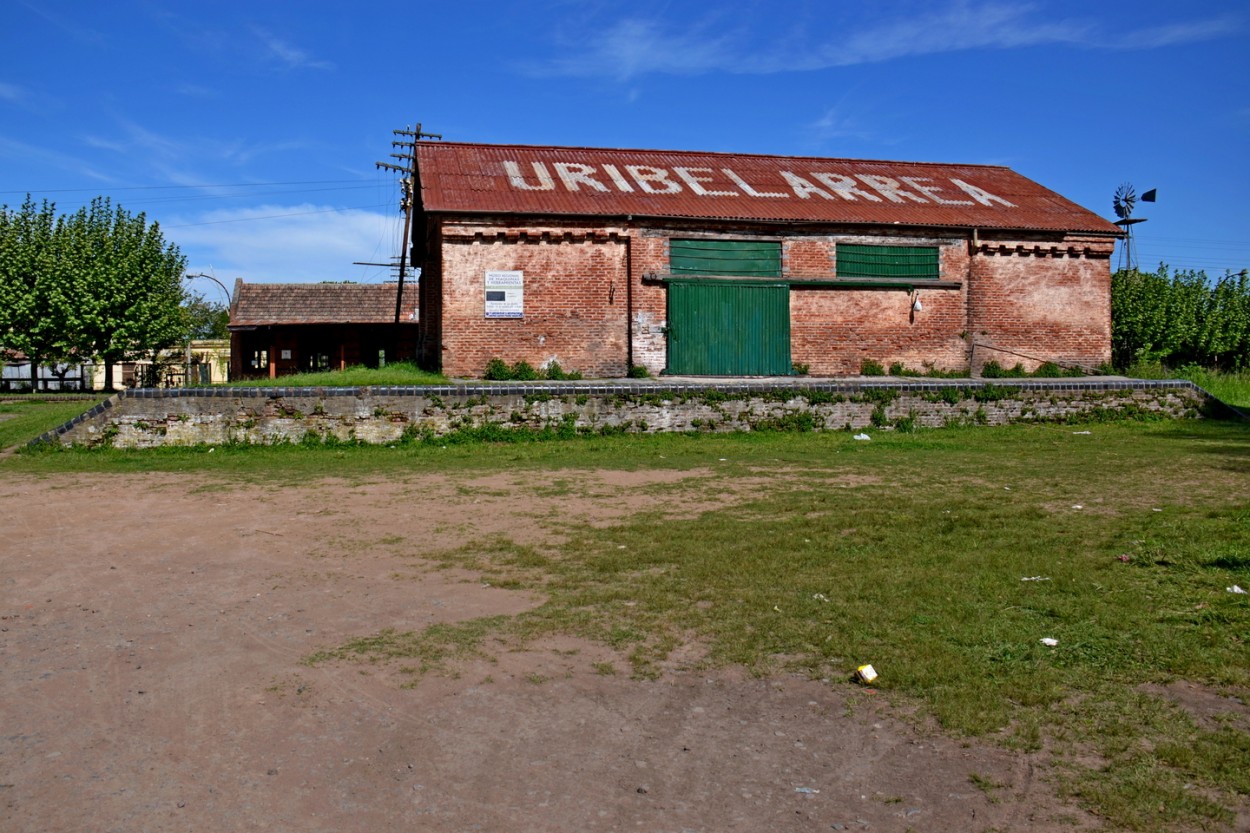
x=1209, y=709
x=153, y=632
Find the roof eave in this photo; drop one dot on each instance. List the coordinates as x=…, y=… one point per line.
x=478, y=212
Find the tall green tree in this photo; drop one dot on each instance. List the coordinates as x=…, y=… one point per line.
x=1180, y=318
x=128, y=285
x=35, y=298
x=100, y=284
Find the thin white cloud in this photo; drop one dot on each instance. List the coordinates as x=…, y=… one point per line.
x=284, y=243
x=197, y=91
x=637, y=47
x=285, y=54
x=835, y=123
x=960, y=27
x=40, y=156
x=632, y=48
x=173, y=158
x=12, y=93
x=1160, y=36
x=67, y=23
x=137, y=139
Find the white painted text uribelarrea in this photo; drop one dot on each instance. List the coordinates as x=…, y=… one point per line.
x=724, y=182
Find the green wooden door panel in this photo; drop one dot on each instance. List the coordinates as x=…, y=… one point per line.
x=728, y=328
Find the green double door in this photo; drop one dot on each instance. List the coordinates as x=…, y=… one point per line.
x=728, y=328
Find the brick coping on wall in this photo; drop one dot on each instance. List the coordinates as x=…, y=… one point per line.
x=675, y=385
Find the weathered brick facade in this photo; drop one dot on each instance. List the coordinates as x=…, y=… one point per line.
x=576, y=288
x=596, y=294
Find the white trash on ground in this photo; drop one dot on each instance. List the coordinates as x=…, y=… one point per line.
x=862, y=437
x=1048, y=642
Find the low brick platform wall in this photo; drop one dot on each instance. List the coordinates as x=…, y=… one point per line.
x=149, y=418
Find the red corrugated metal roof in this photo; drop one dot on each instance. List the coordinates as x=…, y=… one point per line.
x=534, y=180
x=264, y=304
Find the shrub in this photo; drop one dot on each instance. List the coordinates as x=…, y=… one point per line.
x=524, y=371
x=994, y=370
x=907, y=424
x=868, y=367
x=557, y=373
x=637, y=371
x=497, y=370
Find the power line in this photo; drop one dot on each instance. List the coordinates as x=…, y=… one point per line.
x=169, y=187
x=193, y=199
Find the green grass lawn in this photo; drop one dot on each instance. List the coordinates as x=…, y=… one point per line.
x=396, y=373
x=23, y=420
x=1231, y=387
x=910, y=552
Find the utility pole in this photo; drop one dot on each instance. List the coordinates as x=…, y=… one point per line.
x=409, y=188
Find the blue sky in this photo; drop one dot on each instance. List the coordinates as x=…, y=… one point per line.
x=249, y=130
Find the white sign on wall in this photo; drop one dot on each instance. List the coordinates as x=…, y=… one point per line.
x=505, y=294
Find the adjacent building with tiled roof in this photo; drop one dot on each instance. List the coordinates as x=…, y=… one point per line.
x=733, y=264
x=281, y=328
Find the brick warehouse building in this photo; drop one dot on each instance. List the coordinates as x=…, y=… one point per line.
x=742, y=265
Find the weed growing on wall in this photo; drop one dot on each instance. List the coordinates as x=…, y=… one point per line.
x=497, y=370
x=1046, y=370
x=557, y=373
x=989, y=392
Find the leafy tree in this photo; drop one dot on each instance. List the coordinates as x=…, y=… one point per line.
x=1181, y=318
x=99, y=284
x=35, y=305
x=205, y=318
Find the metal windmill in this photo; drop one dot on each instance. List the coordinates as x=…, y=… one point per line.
x=1123, y=202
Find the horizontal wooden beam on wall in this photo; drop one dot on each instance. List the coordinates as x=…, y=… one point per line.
x=813, y=283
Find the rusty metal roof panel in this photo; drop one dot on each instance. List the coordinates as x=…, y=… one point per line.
x=602, y=182
x=267, y=304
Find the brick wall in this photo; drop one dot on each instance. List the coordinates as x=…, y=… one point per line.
x=649, y=301
x=591, y=305
x=1032, y=301
x=576, y=291
x=834, y=331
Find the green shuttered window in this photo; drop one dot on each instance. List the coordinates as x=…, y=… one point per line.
x=889, y=262
x=738, y=258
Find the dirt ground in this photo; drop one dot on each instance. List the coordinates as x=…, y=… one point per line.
x=152, y=633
